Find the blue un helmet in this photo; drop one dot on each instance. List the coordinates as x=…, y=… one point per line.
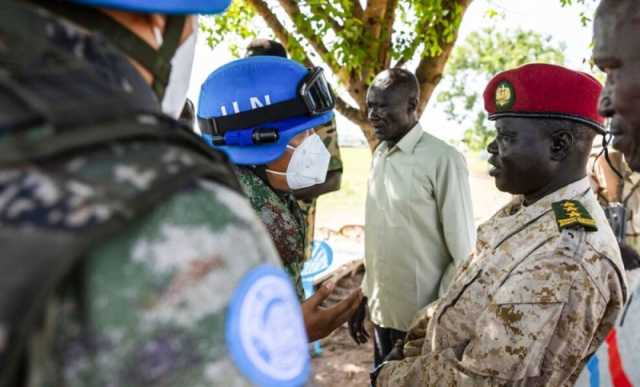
x=162, y=6
x=251, y=108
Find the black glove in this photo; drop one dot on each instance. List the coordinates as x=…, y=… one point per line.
x=630, y=257
x=356, y=323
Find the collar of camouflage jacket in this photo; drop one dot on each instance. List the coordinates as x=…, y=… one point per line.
x=515, y=216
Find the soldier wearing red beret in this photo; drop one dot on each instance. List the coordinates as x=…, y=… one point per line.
x=545, y=282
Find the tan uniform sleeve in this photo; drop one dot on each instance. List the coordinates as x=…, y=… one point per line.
x=536, y=331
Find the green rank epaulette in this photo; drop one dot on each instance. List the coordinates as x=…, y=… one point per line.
x=571, y=214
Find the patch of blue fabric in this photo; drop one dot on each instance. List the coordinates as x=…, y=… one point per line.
x=265, y=330
x=594, y=371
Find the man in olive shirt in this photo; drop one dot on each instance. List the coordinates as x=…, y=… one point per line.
x=419, y=217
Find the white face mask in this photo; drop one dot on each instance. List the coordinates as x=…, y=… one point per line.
x=308, y=165
x=175, y=94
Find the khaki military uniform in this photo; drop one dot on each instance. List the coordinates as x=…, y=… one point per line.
x=529, y=308
x=630, y=198
x=329, y=136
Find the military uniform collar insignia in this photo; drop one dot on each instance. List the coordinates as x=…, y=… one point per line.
x=572, y=214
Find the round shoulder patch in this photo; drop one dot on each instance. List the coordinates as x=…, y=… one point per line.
x=265, y=331
x=505, y=96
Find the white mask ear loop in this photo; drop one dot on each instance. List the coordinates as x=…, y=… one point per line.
x=181, y=65
x=275, y=172
x=157, y=34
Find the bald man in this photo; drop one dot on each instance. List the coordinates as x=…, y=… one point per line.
x=419, y=217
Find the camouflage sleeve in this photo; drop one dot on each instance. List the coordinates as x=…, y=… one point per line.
x=414, y=340
x=329, y=136
x=535, y=332
x=158, y=295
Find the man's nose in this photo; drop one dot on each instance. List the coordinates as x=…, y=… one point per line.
x=493, y=147
x=372, y=113
x=605, y=102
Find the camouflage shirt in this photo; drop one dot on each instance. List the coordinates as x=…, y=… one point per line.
x=616, y=362
x=171, y=298
x=528, y=309
x=281, y=215
x=630, y=196
x=329, y=136
x=156, y=295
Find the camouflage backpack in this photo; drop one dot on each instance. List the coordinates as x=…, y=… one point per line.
x=64, y=95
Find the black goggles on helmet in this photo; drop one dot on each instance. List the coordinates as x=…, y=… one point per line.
x=314, y=97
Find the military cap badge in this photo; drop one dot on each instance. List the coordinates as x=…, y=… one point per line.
x=571, y=214
x=505, y=96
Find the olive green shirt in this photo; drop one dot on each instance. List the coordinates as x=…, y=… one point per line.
x=418, y=224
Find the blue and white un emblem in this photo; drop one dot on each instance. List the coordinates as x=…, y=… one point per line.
x=265, y=331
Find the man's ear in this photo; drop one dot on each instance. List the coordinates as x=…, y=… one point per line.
x=412, y=105
x=561, y=143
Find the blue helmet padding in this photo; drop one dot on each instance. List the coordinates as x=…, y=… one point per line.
x=249, y=83
x=163, y=6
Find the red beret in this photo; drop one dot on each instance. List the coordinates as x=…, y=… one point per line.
x=544, y=91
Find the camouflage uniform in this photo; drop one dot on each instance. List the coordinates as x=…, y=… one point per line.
x=281, y=215
x=615, y=364
x=528, y=309
x=329, y=136
x=157, y=294
x=147, y=306
x=630, y=198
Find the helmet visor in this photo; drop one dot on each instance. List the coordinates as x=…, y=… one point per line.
x=316, y=92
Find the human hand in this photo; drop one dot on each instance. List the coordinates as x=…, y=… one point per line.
x=630, y=257
x=356, y=323
x=321, y=322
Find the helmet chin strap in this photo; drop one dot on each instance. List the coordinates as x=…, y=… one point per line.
x=606, y=140
x=157, y=62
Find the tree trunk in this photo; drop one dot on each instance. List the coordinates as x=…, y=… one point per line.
x=378, y=18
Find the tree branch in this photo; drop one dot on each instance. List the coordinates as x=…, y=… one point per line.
x=293, y=11
x=387, y=34
x=373, y=24
x=430, y=69
x=358, y=117
x=278, y=29
x=319, y=9
x=358, y=12
x=353, y=114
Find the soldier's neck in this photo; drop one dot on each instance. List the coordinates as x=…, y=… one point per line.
x=552, y=187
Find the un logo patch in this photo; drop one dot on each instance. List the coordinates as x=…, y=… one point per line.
x=265, y=331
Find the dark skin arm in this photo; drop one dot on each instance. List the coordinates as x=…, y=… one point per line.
x=320, y=322
x=331, y=184
x=357, y=330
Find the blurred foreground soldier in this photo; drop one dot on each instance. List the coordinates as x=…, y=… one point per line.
x=261, y=111
x=419, y=217
x=620, y=197
x=545, y=283
x=131, y=256
x=617, y=52
x=307, y=197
